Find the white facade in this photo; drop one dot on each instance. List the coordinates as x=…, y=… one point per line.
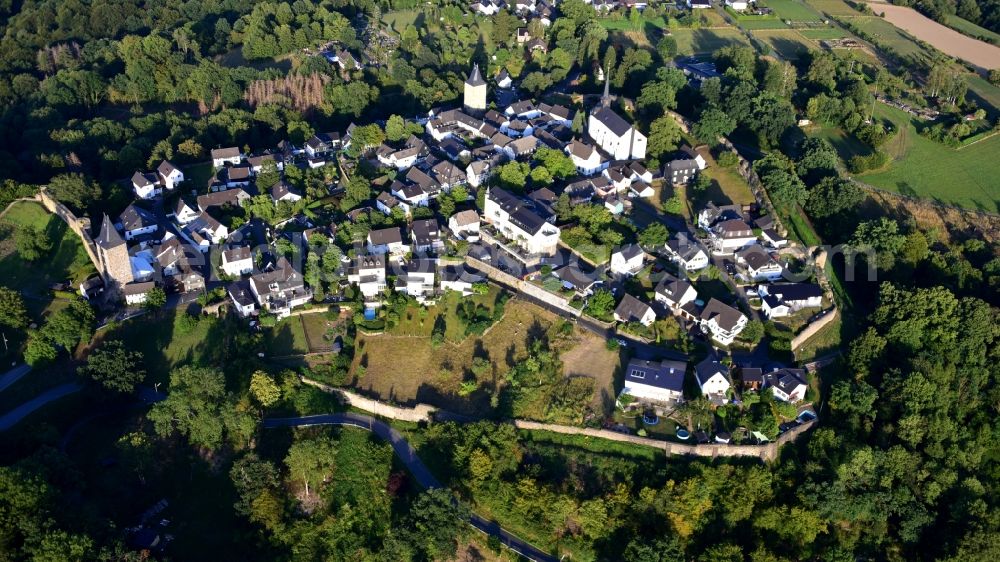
x=622, y=264
x=235, y=264
x=586, y=158
x=368, y=273
x=738, y=5
x=622, y=143
x=543, y=241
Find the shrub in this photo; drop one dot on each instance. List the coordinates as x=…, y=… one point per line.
x=873, y=161
x=727, y=159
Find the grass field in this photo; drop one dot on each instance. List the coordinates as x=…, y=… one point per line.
x=789, y=43
x=833, y=7
x=794, y=10
x=727, y=184
x=166, y=344
x=890, y=36
x=199, y=174
x=846, y=144
x=624, y=24
x=762, y=23
x=985, y=94
x=419, y=322
x=67, y=261
x=972, y=30
x=706, y=41
x=924, y=168
x=822, y=33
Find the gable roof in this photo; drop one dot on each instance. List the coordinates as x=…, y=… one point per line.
x=228, y=152
x=385, y=236
x=672, y=288
x=465, y=218
x=135, y=217
x=521, y=213
x=726, y=317
x=425, y=231
x=708, y=368
x=631, y=309
x=166, y=168
x=629, y=252
x=576, y=277
x=614, y=122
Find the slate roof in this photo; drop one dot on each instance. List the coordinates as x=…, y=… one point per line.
x=108, y=237
x=668, y=375
x=708, y=368
x=135, y=217
x=521, y=212
x=612, y=120
x=385, y=236
x=631, y=309
x=630, y=251
x=475, y=78
x=425, y=232
x=725, y=316
x=672, y=288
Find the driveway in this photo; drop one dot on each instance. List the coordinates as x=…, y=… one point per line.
x=408, y=455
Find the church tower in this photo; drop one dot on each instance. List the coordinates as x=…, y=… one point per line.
x=475, y=91
x=113, y=253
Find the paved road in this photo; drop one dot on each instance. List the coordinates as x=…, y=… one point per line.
x=14, y=416
x=12, y=376
x=408, y=455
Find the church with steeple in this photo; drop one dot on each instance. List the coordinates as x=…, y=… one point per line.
x=475, y=92
x=611, y=132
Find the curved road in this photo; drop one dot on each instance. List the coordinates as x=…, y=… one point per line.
x=11, y=418
x=408, y=455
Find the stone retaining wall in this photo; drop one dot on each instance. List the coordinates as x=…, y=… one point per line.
x=425, y=413
x=80, y=226
x=521, y=286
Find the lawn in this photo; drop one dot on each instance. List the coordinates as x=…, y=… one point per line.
x=167, y=342
x=985, y=94
x=625, y=24
x=792, y=10
x=727, y=184
x=966, y=177
x=789, y=43
x=198, y=175
x=966, y=27
x=833, y=7
x=707, y=41
x=287, y=337
x=825, y=341
x=846, y=144
x=753, y=23
x=67, y=261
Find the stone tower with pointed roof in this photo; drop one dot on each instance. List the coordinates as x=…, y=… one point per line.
x=116, y=268
x=475, y=91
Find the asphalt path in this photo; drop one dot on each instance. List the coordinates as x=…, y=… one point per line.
x=12, y=376
x=14, y=416
x=408, y=455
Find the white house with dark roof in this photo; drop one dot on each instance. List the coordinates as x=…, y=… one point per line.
x=386, y=241
x=464, y=225
x=723, y=322
x=782, y=299
x=686, y=252
x=518, y=221
x=237, y=261
x=585, y=157
x=627, y=260
x=680, y=171
x=674, y=293
x=759, y=264
x=242, y=298
x=205, y=230
x=280, y=289
x=368, y=273
x=575, y=279
x=730, y=235
x=222, y=156
x=426, y=235
x=631, y=309
x=283, y=192
x=145, y=186
x=136, y=221
x=787, y=385
x=169, y=175
x=660, y=382
x=458, y=278
x=182, y=212
x=712, y=377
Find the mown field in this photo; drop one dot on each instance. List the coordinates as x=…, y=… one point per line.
x=793, y=10
x=789, y=43
x=966, y=177
x=890, y=36
x=833, y=7
x=972, y=30
x=706, y=41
